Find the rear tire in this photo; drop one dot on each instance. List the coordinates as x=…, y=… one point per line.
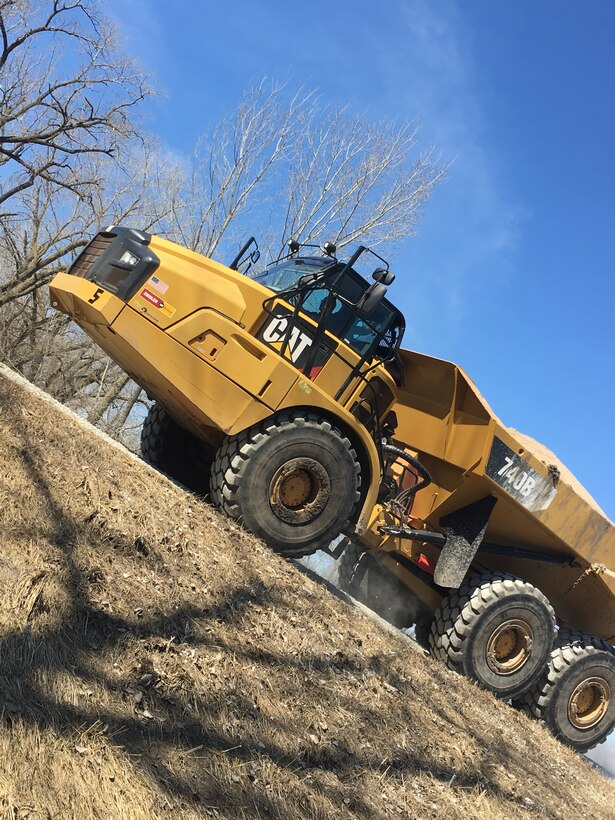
x=293, y=480
x=497, y=630
x=175, y=451
x=576, y=695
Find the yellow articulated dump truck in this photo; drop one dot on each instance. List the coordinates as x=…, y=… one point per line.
x=288, y=398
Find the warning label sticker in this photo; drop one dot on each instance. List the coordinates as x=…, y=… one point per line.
x=150, y=297
x=157, y=302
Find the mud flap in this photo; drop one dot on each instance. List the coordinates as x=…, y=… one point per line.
x=464, y=529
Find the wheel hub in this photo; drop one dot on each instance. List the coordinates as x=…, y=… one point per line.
x=589, y=702
x=509, y=647
x=296, y=488
x=299, y=491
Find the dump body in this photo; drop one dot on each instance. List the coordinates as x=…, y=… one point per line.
x=554, y=531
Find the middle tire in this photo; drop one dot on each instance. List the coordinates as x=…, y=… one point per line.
x=293, y=480
x=497, y=630
x=174, y=450
x=362, y=576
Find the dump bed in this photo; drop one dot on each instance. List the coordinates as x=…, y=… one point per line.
x=545, y=526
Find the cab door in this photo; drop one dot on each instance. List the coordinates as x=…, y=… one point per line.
x=307, y=338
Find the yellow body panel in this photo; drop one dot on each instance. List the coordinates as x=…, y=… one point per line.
x=84, y=301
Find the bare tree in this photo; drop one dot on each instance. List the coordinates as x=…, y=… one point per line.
x=71, y=159
x=43, y=345
x=66, y=91
x=280, y=166
x=352, y=180
x=285, y=166
x=66, y=101
x=53, y=225
x=234, y=168
x=49, y=350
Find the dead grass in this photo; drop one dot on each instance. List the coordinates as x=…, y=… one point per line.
x=156, y=661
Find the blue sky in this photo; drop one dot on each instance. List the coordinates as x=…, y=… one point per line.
x=511, y=275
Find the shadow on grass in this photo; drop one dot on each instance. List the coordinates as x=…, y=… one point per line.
x=151, y=719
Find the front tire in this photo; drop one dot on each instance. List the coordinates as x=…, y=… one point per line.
x=293, y=480
x=576, y=695
x=497, y=630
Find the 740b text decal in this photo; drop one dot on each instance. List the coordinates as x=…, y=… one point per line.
x=522, y=482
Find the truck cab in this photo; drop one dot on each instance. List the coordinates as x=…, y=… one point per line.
x=221, y=351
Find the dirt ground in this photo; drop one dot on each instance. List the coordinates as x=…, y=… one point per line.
x=156, y=661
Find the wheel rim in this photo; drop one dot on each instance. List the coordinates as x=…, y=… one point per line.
x=509, y=647
x=297, y=488
x=299, y=491
x=589, y=702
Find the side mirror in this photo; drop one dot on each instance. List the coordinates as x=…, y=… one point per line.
x=384, y=276
x=371, y=298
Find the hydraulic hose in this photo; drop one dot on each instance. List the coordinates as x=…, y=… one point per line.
x=404, y=497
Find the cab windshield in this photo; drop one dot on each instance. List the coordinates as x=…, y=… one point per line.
x=286, y=274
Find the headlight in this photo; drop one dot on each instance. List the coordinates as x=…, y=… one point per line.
x=129, y=258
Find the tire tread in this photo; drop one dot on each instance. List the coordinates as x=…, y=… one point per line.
x=454, y=620
x=235, y=453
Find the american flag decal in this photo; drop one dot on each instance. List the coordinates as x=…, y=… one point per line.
x=157, y=283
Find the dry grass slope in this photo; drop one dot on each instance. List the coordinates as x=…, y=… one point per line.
x=156, y=661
